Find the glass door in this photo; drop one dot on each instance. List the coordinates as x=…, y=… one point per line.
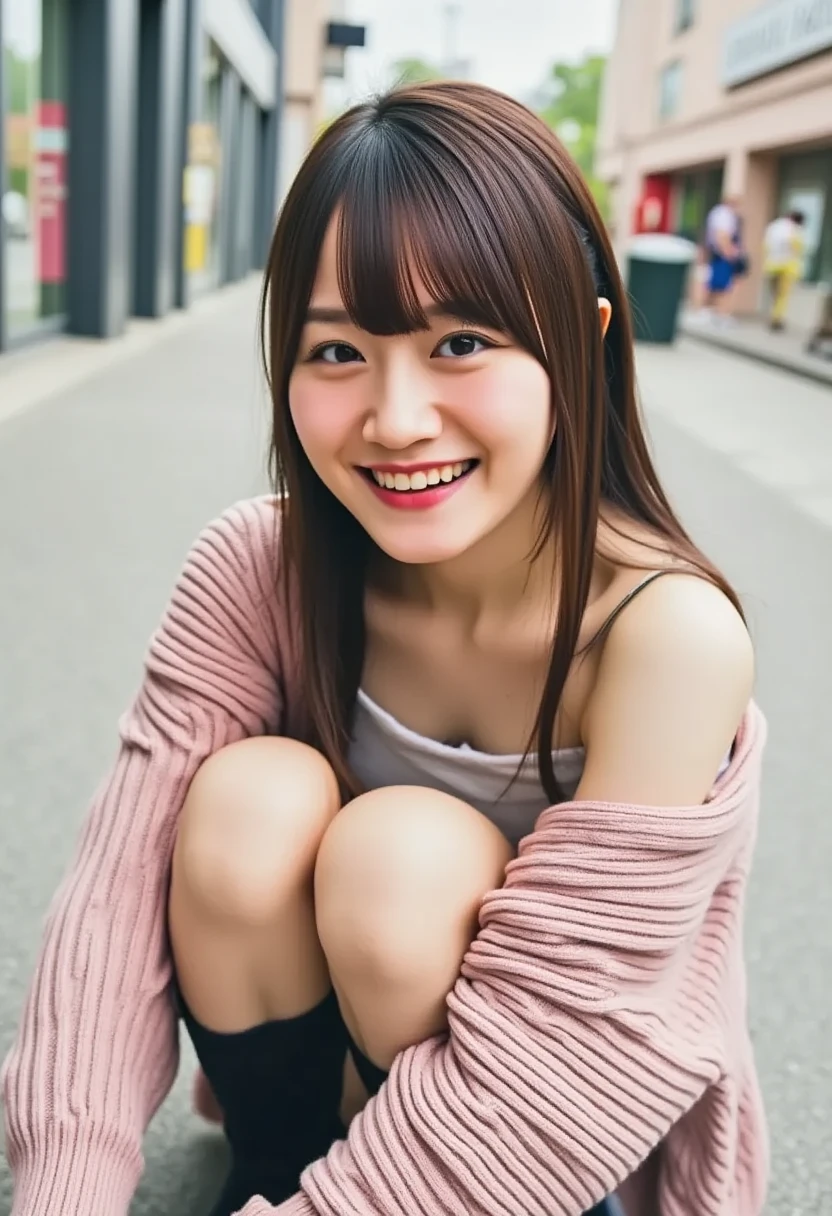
x=36, y=144
x=806, y=185
x=203, y=180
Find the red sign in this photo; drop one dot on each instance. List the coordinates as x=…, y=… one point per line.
x=653, y=211
x=50, y=145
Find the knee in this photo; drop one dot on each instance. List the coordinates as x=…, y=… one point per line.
x=399, y=879
x=250, y=828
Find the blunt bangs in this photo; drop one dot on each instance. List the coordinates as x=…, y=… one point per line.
x=411, y=216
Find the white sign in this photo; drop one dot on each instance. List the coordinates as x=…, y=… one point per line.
x=775, y=35
x=239, y=35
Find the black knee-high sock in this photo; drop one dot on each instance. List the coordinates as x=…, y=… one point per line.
x=279, y=1086
x=372, y=1077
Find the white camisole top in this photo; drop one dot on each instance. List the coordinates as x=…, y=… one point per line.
x=383, y=752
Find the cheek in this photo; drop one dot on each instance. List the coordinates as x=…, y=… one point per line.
x=322, y=418
x=509, y=409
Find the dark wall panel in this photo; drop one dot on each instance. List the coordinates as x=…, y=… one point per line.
x=273, y=16
x=159, y=171
x=102, y=103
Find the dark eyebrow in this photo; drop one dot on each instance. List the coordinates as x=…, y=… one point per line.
x=329, y=316
x=459, y=310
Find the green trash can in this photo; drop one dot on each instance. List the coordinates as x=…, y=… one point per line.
x=657, y=272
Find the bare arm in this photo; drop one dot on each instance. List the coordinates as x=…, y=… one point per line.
x=673, y=682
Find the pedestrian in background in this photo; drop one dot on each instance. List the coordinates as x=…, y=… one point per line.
x=433, y=817
x=784, y=246
x=725, y=254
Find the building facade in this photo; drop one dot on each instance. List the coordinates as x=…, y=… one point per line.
x=711, y=98
x=141, y=149
x=310, y=59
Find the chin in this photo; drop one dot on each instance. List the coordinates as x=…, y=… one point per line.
x=420, y=552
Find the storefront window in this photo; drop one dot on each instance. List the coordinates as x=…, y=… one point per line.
x=696, y=193
x=36, y=146
x=202, y=181
x=685, y=15
x=806, y=186
x=670, y=90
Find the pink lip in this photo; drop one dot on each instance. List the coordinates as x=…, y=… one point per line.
x=416, y=500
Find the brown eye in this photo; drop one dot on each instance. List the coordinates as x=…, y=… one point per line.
x=335, y=352
x=460, y=346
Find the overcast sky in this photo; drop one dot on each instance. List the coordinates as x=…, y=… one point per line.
x=510, y=43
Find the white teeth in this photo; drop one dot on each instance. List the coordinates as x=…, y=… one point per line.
x=421, y=480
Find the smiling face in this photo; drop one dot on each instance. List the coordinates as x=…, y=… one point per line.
x=432, y=439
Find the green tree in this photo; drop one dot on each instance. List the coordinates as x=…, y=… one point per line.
x=23, y=81
x=413, y=70
x=571, y=101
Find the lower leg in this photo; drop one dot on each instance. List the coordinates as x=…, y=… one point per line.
x=724, y=303
x=782, y=293
x=251, y=971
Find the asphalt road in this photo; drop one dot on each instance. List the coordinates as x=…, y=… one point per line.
x=102, y=488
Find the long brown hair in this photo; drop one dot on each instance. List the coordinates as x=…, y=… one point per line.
x=470, y=191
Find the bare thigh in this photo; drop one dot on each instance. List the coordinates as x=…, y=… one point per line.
x=399, y=880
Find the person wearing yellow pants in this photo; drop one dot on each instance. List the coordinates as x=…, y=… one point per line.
x=784, y=251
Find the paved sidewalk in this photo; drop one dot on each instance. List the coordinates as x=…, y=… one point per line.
x=43, y=370
x=751, y=338
x=774, y=426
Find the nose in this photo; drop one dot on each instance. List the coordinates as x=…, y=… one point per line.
x=402, y=412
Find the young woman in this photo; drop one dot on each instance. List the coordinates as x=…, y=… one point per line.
x=441, y=786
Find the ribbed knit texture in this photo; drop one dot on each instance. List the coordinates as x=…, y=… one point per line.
x=600, y=1010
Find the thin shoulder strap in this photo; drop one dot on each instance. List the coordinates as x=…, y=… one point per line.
x=627, y=599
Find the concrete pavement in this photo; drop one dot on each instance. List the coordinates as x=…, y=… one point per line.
x=752, y=338
x=771, y=425
x=755, y=492
x=118, y=455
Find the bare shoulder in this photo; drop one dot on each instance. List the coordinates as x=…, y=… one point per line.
x=673, y=681
x=686, y=619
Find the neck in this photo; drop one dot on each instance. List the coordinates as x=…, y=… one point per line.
x=494, y=576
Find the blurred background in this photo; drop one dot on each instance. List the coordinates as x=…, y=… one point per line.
x=146, y=144
x=145, y=148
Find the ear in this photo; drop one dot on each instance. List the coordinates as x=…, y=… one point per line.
x=605, y=314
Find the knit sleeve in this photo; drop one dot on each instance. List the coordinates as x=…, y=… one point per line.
x=589, y=1017
x=97, y=1050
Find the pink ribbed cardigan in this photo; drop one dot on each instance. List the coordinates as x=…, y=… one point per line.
x=600, y=1011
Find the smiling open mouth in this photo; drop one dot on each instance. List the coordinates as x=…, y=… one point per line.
x=421, y=480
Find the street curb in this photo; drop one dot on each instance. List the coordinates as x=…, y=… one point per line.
x=821, y=374
x=38, y=372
